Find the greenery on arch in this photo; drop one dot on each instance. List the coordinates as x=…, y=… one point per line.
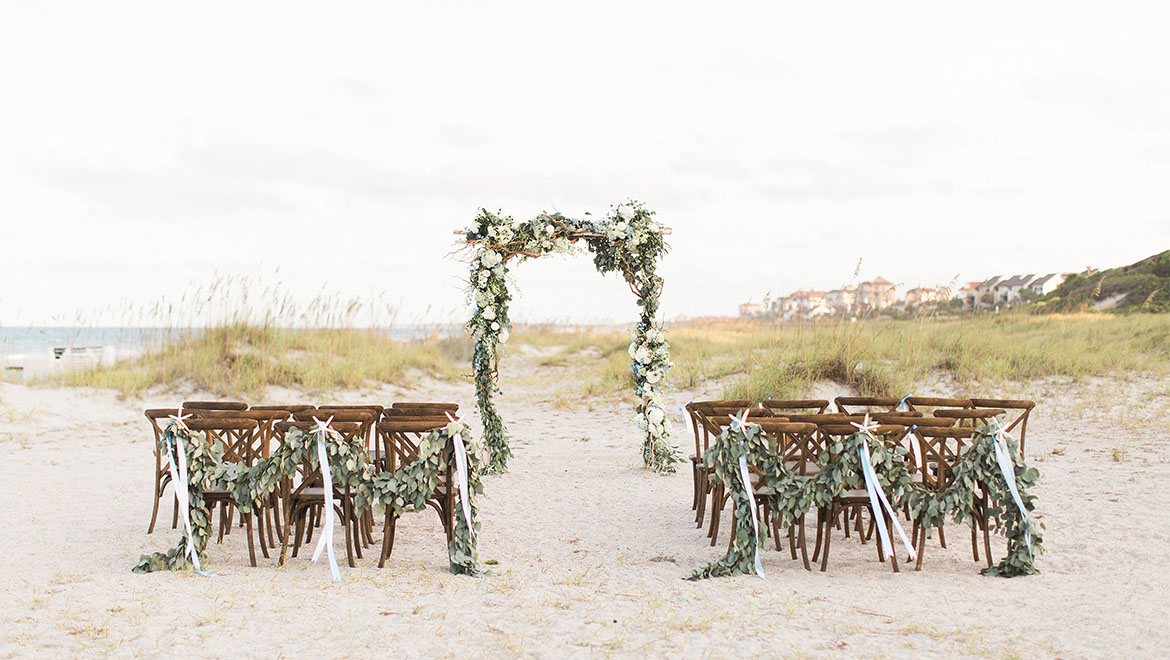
x=626, y=239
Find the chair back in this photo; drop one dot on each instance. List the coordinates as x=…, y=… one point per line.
x=214, y=405
x=865, y=404
x=451, y=407
x=929, y=403
x=290, y=408
x=809, y=406
x=239, y=436
x=1020, y=408
x=266, y=420
x=398, y=439
x=798, y=445
x=940, y=451
x=308, y=475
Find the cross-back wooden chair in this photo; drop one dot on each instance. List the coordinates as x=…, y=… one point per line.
x=800, y=447
x=266, y=440
x=214, y=405
x=942, y=448
x=856, y=499
x=1018, y=409
x=304, y=494
x=162, y=475
x=398, y=440
x=862, y=404
x=969, y=417
x=714, y=419
x=239, y=437
x=698, y=470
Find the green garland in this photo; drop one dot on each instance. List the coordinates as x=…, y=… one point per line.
x=840, y=470
x=627, y=239
x=203, y=468
x=408, y=487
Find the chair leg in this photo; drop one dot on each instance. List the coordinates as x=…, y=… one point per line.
x=311, y=523
x=158, y=491
x=247, y=518
x=828, y=540
x=987, y=541
x=175, y=514
x=348, y=529
x=302, y=523
x=387, y=538
x=264, y=537
x=942, y=537
x=704, y=490
x=820, y=533
x=921, y=546
x=893, y=550
x=803, y=545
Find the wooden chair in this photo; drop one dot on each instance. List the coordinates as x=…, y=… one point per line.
x=941, y=451
x=398, y=439
x=857, y=499
x=698, y=471
x=969, y=417
x=266, y=439
x=162, y=475
x=1020, y=408
x=800, y=447
x=240, y=440
x=864, y=404
x=714, y=420
x=304, y=494
x=439, y=407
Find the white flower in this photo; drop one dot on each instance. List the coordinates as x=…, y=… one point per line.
x=655, y=415
x=504, y=336
x=625, y=212
x=489, y=313
x=490, y=258
x=495, y=326
x=642, y=356
x=549, y=229
x=653, y=376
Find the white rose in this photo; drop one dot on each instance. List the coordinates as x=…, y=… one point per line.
x=489, y=313
x=490, y=258
x=633, y=351
x=549, y=229
x=656, y=415
x=653, y=376
x=495, y=326
x=642, y=356
x=625, y=212
x=504, y=336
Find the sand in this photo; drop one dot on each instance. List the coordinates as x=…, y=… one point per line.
x=591, y=549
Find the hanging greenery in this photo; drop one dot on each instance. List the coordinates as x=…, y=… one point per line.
x=409, y=487
x=840, y=470
x=626, y=239
x=203, y=467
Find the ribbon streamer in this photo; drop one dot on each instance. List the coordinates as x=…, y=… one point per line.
x=877, y=497
x=182, y=495
x=461, y=473
x=326, y=540
x=747, y=485
x=1004, y=459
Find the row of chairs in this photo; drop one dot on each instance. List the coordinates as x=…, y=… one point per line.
x=388, y=435
x=933, y=429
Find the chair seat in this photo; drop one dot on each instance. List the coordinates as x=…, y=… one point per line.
x=810, y=468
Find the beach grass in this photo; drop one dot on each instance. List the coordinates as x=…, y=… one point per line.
x=242, y=359
x=754, y=359
x=889, y=357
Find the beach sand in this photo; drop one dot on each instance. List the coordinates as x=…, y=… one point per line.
x=591, y=549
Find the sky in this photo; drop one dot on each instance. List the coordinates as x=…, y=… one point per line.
x=148, y=149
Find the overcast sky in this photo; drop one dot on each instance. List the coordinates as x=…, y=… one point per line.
x=145, y=147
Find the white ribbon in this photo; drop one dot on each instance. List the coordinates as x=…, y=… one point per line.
x=916, y=445
x=326, y=540
x=182, y=495
x=747, y=485
x=1004, y=459
x=461, y=472
x=877, y=497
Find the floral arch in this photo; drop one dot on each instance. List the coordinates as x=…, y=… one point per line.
x=627, y=239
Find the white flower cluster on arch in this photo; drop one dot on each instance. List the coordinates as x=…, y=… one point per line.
x=626, y=239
